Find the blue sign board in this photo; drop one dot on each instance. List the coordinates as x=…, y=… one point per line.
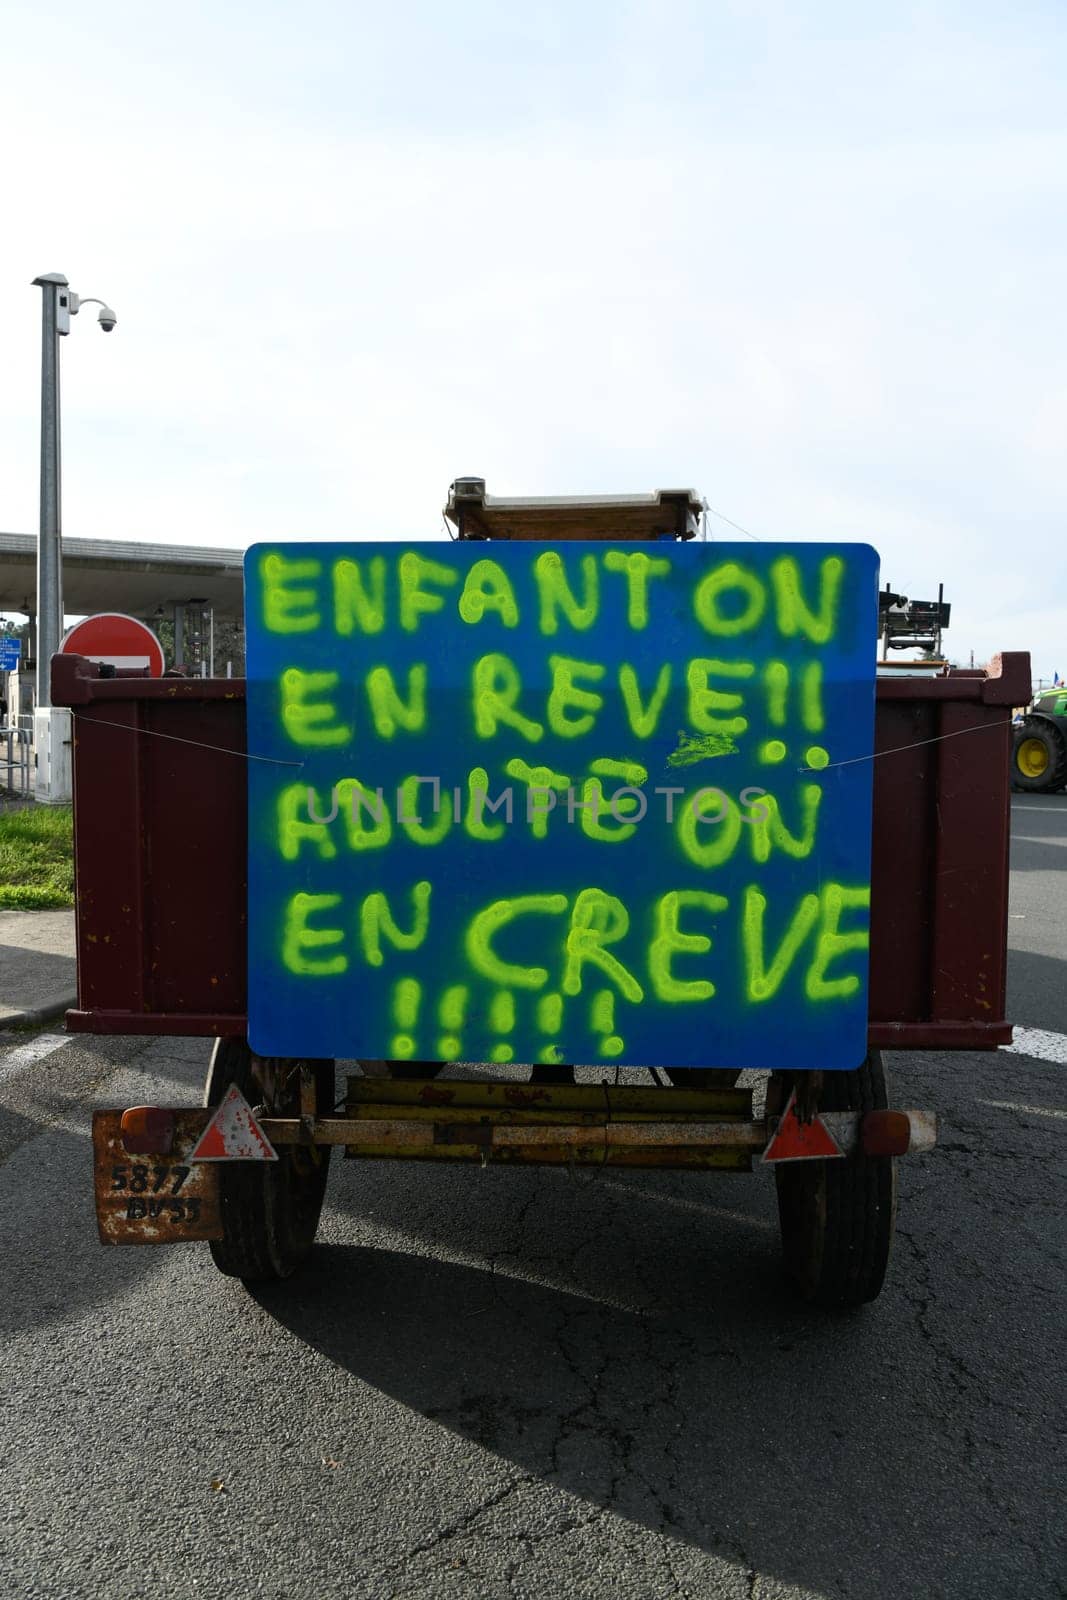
x=10, y=651
x=586, y=802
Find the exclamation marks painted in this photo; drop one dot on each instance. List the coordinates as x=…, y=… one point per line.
x=811, y=712
x=776, y=682
x=406, y=997
x=451, y=1014
x=453, y=1017
x=603, y=1022
x=550, y=1020
x=771, y=751
x=502, y=1020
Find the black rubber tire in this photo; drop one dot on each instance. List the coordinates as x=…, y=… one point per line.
x=837, y=1216
x=270, y=1209
x=1054, y=776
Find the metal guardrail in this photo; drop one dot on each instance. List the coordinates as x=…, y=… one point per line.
x=16, y=760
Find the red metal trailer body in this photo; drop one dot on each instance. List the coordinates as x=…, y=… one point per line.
x=160, y=865
x=160, y=842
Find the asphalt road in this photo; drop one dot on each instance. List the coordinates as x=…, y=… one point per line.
x=505, y=1383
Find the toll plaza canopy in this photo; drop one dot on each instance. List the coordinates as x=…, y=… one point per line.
x=121, y=575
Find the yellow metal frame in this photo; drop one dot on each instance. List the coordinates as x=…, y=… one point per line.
x=539, y=1124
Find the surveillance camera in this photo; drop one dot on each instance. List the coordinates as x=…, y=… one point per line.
x=106, y=318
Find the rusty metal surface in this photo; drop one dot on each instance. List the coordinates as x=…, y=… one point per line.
x=529, y=1101
x=490, y=1134
x=153, y=1199
x=943, y=1035
x=169, y=1199
x=179, y=1024
x=596, y=1154
x=160, y=844
x=542, y=1124
x=939, y=869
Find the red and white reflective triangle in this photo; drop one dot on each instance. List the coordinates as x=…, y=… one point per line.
x=233, y=1134
x=800, y=1141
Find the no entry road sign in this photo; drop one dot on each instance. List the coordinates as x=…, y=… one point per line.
x=117, y=640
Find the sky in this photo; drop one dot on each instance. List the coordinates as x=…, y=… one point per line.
x=810, y=260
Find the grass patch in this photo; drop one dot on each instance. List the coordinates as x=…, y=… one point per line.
x=36, y=858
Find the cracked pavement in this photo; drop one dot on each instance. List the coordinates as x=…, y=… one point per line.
x=507, y=1383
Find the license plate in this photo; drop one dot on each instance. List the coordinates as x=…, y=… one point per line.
x=154, y=1199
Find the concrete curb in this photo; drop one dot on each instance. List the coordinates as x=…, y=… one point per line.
x=34, y=1015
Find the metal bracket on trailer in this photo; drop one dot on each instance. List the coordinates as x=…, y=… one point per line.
x=152, y=1186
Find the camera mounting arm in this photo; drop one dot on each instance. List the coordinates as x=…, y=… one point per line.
x=105, y=316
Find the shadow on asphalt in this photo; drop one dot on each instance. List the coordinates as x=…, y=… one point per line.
x=1037, y=990
x=663, y=1372
x=1039, y=833
x=650, y=1415
x=1028, y=855
x=48, y=1222
x=1052, y=805
x=47, y=1235
x=628, y=1339
x=35, y=977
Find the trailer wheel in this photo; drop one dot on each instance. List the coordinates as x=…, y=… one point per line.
x=1038, y=757
x=270, y=1209
x=837, y=1216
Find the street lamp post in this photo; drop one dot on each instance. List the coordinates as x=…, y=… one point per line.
x=49, y=561
x=58, y=304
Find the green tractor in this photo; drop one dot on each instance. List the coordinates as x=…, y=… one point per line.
x=1039, y=754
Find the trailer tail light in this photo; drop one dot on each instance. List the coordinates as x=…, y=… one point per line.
x=885, y=1133
x=147, y=1130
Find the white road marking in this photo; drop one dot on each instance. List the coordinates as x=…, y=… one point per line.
x=24, y=1055
x=1041, y=1044
x=1046, y=810
x=1036, y=1111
